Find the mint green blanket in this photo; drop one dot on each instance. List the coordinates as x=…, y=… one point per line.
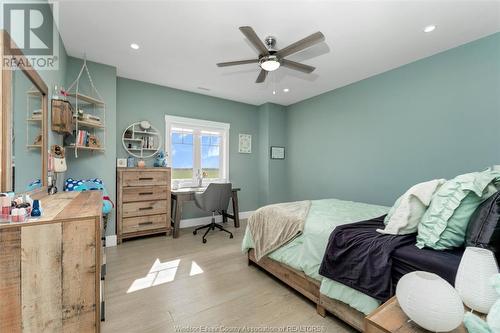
x=305, y=252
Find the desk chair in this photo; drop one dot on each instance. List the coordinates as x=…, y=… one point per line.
x=214, y=199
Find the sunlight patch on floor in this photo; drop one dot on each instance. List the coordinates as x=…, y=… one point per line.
x=160, y=273
x=195, y=269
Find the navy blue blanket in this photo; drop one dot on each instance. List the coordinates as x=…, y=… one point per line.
x=363, y=259
x=360, y=257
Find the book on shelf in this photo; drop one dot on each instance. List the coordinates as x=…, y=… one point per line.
x=148, y=142
x=82, y=138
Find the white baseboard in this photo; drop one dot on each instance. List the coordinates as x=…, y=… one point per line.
x=188, y=223
x=110, y=240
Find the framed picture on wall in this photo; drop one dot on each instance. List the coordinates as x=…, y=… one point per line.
x=277, y=153
x=245, y=143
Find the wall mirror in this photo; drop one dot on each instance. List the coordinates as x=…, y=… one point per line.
x=24, y=104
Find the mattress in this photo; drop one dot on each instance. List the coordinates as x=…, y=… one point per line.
x=306, y=251
x=410, y=258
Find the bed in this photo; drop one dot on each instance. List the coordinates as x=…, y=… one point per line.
x=297, y=263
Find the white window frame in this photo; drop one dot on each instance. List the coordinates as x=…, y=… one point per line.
x=199, y=125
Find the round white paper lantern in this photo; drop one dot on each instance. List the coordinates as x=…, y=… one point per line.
x=430, y=301
x=473, y=279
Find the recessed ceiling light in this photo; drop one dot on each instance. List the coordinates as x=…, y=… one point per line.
x=274, y=92
x=286, y=90
x=430, y=28
x=134, y=46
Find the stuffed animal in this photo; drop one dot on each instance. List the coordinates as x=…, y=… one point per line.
x=474, y=324
x=160, y=160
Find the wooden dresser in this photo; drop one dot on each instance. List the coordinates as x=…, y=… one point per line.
x=143, y=196
x=50, y=268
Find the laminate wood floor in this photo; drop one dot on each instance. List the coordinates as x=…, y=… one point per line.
x=160, y=284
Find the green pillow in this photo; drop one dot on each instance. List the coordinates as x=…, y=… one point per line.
x=444, y=224
x=454, y=234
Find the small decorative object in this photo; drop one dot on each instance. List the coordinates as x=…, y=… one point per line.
x=121, y=162
x=59, y=160
x=278, y=153
x=130, y=162
x=160, y=160
x=94, y=142
x=430, y=301
x=141, y=164
x=245, y=144
x=128, y=134
x=145, y=125
x=38, y=140
x=35, y=212
x=473, y=279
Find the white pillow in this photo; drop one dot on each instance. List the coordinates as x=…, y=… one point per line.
x=405, y=215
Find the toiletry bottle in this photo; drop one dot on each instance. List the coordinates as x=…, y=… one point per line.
x=22, y=215
x=36, y=211
x=5, y=205
x=15, y=215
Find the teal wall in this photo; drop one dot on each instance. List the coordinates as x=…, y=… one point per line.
x=372, y=140
x=97, y=164
x=272, y=173
x=138, y=100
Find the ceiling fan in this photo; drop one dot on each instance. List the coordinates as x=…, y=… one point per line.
x=270, y=59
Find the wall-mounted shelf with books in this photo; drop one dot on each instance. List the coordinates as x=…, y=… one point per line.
x=141, y=140
x=89, y=117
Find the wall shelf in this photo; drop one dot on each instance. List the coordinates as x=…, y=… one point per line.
x=86, y=99
x=141, y=140
x=90, y=105
x=86, y=148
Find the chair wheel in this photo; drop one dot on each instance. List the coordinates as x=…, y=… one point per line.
x=230, y=236
x=194, y=232
x=204, y=240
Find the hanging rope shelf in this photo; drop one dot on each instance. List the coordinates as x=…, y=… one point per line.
x=89, y=116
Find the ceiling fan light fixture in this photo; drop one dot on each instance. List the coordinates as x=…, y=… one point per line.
x=269, y=63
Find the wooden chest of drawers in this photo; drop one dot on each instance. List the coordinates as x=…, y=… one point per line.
x=143, y=196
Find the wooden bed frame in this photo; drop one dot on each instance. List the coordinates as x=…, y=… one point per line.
x=310, y=289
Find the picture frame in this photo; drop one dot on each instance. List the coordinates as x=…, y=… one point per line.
x=277, y=153
x=245, y=143
x=121, y=162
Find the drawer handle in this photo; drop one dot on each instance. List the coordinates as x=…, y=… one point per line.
x=145, y=178
x=146, y=223
x=146, y=193
x=145, y=208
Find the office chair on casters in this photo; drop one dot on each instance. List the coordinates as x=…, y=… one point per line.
x=215, y=199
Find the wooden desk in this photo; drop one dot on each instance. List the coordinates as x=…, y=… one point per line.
x=182, y=195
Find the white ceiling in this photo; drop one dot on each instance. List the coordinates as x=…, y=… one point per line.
x=180, y=41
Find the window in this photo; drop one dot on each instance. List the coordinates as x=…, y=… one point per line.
x=197, y=147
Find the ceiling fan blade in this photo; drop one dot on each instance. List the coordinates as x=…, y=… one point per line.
x=297, y=66
x=302, y=44
x=262, y=76
x=238, y=62
x=254, y=39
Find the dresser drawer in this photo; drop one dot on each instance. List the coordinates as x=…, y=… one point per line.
x=146, y=178
x=142, y=208
x=135, y=224
x=150, y=193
